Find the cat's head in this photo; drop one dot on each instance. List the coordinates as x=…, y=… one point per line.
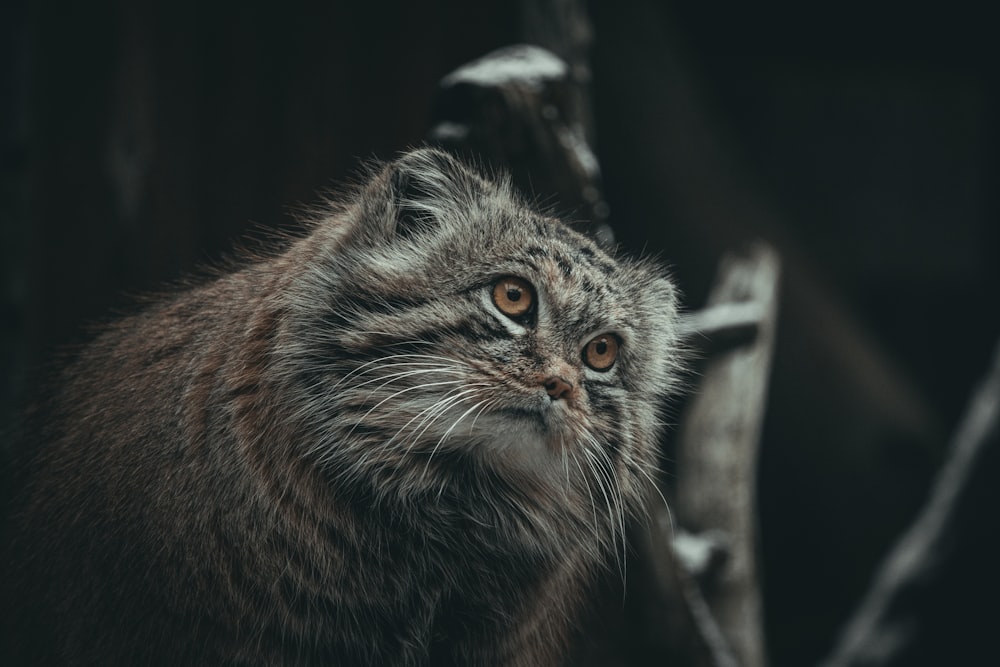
x=450, y=331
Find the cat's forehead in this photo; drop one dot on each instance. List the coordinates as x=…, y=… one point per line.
x=565, y=255
x=570, y=271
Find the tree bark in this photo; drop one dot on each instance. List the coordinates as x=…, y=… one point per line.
x=717, y=450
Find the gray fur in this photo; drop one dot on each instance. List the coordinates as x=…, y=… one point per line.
x=343, y=453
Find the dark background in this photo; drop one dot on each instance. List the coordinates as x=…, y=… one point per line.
x=139, y=139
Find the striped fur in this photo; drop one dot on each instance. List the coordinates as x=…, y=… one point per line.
x=343, y=454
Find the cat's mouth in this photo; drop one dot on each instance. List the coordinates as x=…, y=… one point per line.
x=535, y=415
x=544, y=418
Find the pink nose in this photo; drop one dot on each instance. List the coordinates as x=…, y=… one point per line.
x=557, y=388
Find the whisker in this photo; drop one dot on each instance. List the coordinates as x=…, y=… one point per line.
x=444, y=437
x=565, y=458
x=616, y=505
x=429, y=409
x=593, y=503
x=365, y=416
x=402, y=374
x=652, y=482
x=486, y=406
x=440, y=408
x=451, y=392
x=368, y=364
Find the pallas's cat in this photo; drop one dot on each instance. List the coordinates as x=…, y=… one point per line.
x=412, y=437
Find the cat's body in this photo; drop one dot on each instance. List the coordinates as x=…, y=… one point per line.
x=400, y=441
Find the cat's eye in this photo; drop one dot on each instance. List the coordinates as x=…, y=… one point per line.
x=601, y=352
x=513, y=296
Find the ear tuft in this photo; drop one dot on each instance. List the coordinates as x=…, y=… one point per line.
x=410, y=199
x=429, y=186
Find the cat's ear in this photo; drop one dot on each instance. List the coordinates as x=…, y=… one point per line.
x=417, y=193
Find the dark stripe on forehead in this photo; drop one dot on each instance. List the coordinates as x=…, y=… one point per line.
x=562, y=231
x=549, y=227
x=604, y=266
x=581, y=324
x=585, y=256
x=608, y=285
x=598, y=261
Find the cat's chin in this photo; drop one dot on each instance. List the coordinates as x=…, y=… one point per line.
x=529, y=439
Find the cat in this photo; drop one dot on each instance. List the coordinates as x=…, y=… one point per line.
x=411, y=436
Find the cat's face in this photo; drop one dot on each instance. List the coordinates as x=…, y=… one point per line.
x=463, y=332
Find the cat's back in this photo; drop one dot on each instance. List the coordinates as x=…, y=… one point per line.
x=115, y=516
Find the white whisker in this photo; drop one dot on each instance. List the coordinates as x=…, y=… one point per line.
x=439, y=409
x=430, y=409
x=445, y=436
x=389, y=398
x=593, y=504
x=616, y=508
x=366, y=367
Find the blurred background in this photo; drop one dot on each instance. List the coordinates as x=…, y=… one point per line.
x=140, y=138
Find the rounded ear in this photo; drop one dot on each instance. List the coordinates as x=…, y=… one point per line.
x=416, y=193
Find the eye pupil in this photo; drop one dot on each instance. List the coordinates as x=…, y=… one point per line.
x=601, y=348
x=513, y=294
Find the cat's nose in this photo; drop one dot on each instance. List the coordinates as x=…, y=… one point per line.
x=557, y=387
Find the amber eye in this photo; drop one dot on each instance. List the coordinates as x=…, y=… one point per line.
x=513, y=297
x=601, y=352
